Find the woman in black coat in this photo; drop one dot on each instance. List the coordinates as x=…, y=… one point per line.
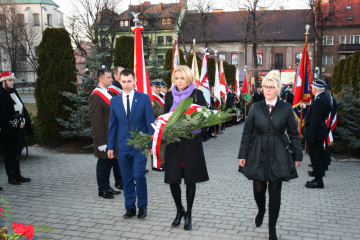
x=184, y=159
x=262, y=156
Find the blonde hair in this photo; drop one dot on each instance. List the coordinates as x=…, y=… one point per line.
x=274, y=76
x=186, y=71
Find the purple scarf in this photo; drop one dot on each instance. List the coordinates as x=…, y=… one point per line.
x=178, y=96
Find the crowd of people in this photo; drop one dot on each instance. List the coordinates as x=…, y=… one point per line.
x=269, y=153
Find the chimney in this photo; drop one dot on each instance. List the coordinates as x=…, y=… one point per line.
x=183, y=4
x=242, y=9
x=262, y=8
x=217, y=10
x=160, y=6
x=282, y=8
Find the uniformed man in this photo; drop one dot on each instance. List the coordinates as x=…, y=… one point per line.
x=99, y=103
x=159, y=102
x=163, y=89
x=12, y=123
x=316, y=131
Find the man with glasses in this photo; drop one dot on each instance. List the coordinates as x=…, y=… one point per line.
x=12, y=123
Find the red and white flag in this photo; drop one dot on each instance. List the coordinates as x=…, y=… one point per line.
x=195, y=71
x=236, y=85
x=141, y=76
x=223, y=83
x=205, y=86
x=175, y=56
x=217, y=93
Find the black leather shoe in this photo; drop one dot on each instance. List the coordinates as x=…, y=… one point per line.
x=158, y=169
x=106, y=194
x=259, y=218
x=187, y=224
x=113, y=192
x=119, y=186
x=315, y=184
x=178, y=217
x=142, y=212
x=14, y=181
x=24, y=179
x=130, y=213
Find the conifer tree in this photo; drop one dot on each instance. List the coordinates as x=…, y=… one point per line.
x=78, y=124
x=346, y=76
x=336, y=82
x=56, y=74
x=189, y=60
x=124, y=52
x=211, y=70
x=353, y=72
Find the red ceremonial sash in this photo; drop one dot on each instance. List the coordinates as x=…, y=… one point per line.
x=115, y=90
x=105, y=96
x=159, y=100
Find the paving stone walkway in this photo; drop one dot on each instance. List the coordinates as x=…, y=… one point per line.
x=63, y=195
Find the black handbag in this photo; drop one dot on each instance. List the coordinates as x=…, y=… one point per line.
x=287, y=147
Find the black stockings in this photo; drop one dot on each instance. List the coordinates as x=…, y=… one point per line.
x=190, y=196
x=274, y=199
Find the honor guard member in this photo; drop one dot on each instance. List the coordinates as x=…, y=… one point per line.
x=316, y=131
x=159, y=102
x=99, y=103
x=12, y=123
x=163, y=89
x=116, y=87
x=130, y=110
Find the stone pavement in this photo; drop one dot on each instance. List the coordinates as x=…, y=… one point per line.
x=63, y=195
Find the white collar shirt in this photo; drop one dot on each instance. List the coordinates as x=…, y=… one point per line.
x=271, y=103
x=124, y=98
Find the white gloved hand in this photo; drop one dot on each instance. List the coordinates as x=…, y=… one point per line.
x=303, y=105
x=214, y=99
x=102, y=148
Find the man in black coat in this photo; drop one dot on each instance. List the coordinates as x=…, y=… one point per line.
x=13, y=119
x=316, y=131
x=290, y=96
x=258, y=96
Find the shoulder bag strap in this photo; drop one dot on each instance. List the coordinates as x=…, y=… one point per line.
x=267, y=114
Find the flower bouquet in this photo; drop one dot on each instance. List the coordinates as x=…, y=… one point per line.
x=184, y=122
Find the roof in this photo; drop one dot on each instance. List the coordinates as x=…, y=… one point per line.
x=282, y=25
x=50, y=2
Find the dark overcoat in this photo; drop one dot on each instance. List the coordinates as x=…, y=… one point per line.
x=266, y=157
x=188, y=152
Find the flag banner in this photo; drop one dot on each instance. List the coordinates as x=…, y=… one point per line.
x=142, y=83
x=204, y=81
x=175, y=56
x=241, y=76
x=302, y=91
x=195, y=71
x=237, y=86
x=249, y=78
x=245, y=93
x=217, y=93
x=223, y=83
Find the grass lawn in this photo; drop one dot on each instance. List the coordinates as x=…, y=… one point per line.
x=31, y=107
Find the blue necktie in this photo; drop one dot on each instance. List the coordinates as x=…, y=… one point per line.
x=128, y=106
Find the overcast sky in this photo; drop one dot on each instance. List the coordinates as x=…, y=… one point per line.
x=65, y=5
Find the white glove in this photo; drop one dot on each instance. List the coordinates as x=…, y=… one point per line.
x=214, y=99
x=303, y=105
x=102, y=148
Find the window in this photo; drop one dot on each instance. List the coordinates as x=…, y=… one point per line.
x=354, y=39
x=61, y=23
x=145, y=40
x=349, y=18
x=168, y=40
x=124, y=23
x=20, y=19
x=144, y=22
x=278, y=61
x=341, y=57
x=103, y=42
x=166, y=21
x=328, y=40
x=327, y=60
x=342, y=40
x=161, y=59
x=49, y=20
x=348, y=7
x=36, y=19
x=161, y=40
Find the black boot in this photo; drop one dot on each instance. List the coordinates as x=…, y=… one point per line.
x=188, y=224
x=180, y=213
x=272, y=234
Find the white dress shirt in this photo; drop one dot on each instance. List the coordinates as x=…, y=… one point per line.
x=124, y=98
x=272, y=103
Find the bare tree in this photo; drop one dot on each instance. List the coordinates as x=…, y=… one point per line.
x=19, y=39
x=254, y=27
x=325, y=14
x=94, y=20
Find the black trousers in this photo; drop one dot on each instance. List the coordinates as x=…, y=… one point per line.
x=12, y=165
x=116, y=171
x=316, y=153
x=103, y=169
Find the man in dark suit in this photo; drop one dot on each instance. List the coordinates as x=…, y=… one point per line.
x=99, y=103
x=316, y=131
x=258, y=96
x=290, y=96
x=130, y=110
